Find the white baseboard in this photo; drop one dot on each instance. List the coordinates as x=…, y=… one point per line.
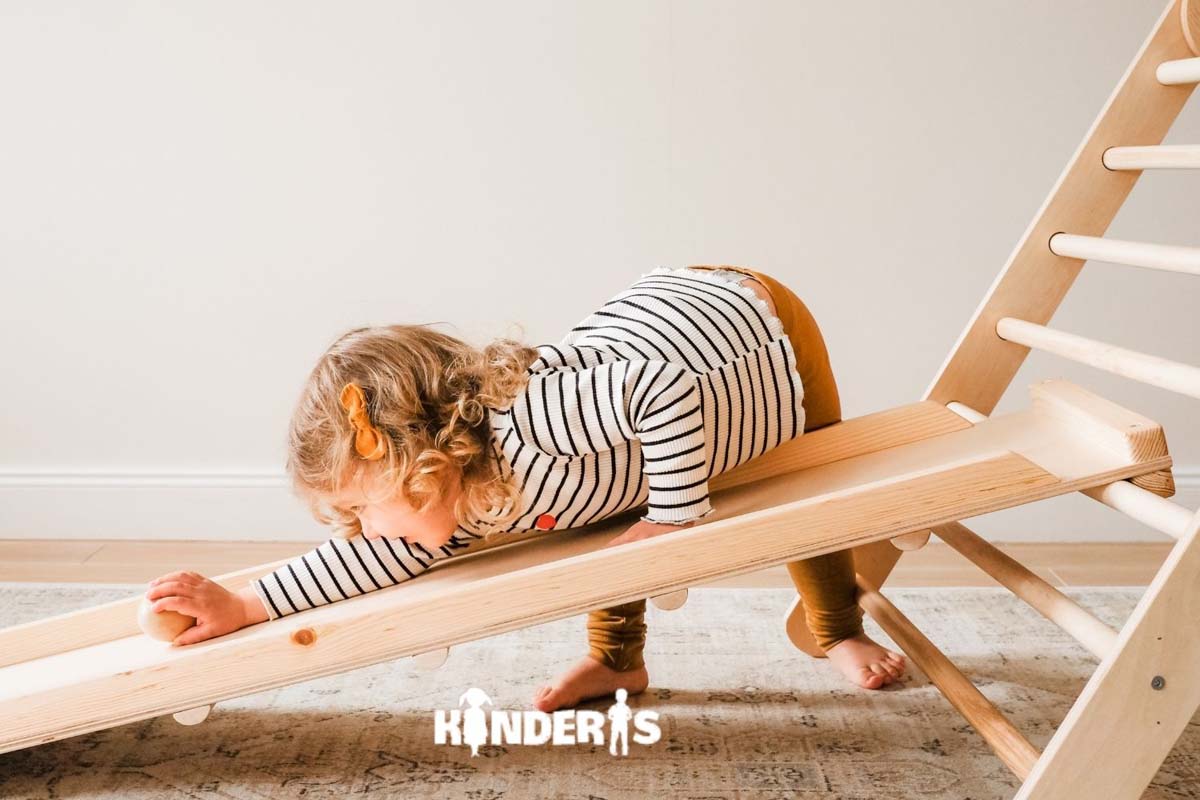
x=259, y=506
x=153, y=504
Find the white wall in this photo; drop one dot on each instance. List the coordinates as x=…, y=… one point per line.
x=198, y=197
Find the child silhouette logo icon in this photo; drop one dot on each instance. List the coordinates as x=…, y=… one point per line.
x=474, y=720
x=470, y=724
x=620, y=715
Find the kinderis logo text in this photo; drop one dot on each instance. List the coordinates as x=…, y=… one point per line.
x=473, y=726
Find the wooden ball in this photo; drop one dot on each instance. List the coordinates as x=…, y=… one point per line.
x=162, y=625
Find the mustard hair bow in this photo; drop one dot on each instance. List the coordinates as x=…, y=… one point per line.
x=368, y=441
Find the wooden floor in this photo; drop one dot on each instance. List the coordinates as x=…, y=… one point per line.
x=125, y=561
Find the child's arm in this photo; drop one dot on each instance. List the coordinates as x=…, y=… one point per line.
x=340, y=569
x=653, y=401
x=668, y=421
x=336, y=570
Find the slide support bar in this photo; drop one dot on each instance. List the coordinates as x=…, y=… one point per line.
x=1040, y=595
x=1012, y=748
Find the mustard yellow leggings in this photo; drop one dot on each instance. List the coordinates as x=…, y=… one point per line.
x=617, y=635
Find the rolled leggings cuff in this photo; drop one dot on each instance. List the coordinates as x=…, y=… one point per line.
x=831, y=627
x=617, y=636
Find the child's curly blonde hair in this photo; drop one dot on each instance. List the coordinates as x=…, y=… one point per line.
x=426, y=394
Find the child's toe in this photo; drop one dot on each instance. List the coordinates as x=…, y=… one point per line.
x=868, y=679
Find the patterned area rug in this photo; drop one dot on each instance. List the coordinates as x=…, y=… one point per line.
x=742, y=715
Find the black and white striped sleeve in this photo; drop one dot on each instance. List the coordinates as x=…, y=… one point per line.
x=569, y=412
x=343, y=568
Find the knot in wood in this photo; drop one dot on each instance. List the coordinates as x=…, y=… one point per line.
x=304, y=636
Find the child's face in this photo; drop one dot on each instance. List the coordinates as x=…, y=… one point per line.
x=395, y=518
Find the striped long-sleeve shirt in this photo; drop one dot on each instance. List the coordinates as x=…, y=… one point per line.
x=682, y=375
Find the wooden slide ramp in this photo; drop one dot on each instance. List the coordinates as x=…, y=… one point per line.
x=895, y=472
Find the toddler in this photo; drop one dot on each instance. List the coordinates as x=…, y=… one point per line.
x=415, y=447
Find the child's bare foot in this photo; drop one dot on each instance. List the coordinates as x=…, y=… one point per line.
x=588, y=678
x=866, y=663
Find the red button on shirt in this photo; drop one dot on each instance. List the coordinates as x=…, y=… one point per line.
x=545, y=522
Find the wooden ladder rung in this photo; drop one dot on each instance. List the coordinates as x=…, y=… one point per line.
x=1169, y=258
x=1149, y=369
x=1180, y=71
x=1161, y=156
x=1144, y=506
x=1040, y=595
x=1012, y=748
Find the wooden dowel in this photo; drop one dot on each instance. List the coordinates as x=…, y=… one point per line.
x=965, y=411
x=1184, y=70
x=1040, y=595
x=1163, y=156
x=1012, y=748
x=1144, y=506
x=1160, y=372
x=1170, y=258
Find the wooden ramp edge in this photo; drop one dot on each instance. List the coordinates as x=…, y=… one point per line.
x=999, y=463
x=869, y=433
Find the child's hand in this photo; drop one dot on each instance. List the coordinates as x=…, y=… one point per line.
x=644, y=530
x=217, y=610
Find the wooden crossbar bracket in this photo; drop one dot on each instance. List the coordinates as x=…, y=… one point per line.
x=1163, y=156
x=1012, y=748
x=1126, y=433
x=1150, y=507
x=1160, y=372
x=1169, y=258
x=1040, y=595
